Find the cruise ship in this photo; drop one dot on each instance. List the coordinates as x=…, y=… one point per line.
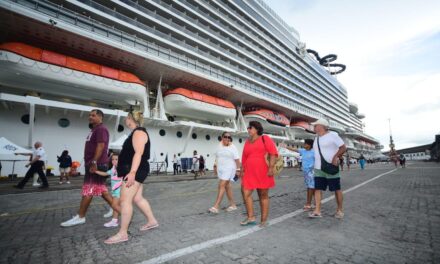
x=195, y=68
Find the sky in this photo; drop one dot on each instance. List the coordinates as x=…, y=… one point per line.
x=392, y=52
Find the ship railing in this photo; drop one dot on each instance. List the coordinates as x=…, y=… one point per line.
x=96, y=26
x=166, y=36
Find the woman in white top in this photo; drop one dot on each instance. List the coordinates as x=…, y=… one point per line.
x=227, y=162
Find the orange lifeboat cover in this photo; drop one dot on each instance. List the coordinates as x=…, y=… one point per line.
x=270, y=115
x=201, y=97
x=69, y=62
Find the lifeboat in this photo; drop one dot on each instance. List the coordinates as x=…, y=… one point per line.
x=302, y=129
x=271, y=121
x=181, y=102
x=34, y=69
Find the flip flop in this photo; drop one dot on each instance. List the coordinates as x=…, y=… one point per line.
x=339, y=215
x=248, y=222
x=213, y=210
x=149, y=227
x=231, y=208
x=315, y=215
x=307, y=208
x=263, y=225
x=115, y=239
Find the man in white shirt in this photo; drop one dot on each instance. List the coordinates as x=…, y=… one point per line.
x=331, y=147
x=38, y=157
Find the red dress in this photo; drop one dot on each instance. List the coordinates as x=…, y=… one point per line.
x=254, y=164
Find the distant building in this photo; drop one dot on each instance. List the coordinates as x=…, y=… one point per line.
x=423, y=152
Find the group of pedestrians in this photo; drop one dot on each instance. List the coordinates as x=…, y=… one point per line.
x=320, y=165
x=129, y=169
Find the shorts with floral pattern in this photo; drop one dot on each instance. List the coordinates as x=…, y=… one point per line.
x=309, y=178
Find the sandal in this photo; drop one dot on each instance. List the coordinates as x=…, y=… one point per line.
x=149, y=227
x=263, y=224
x=315, y=215
x=231, y=208
x=339, y=215
x=248, y=222
x=307, y=208
x=213, y=210
x=116, y=239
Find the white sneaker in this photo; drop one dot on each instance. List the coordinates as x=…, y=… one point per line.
x=76, y=220
x=109, y=213
x=112, y=223
x=36, y=184
x=68, y=182
x=61, y=183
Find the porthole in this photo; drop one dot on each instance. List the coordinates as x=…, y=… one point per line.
x=240, y=140
x=120, y=128
x=25, y=119
x=208, y=137
x=162, y=132
x=63, y=122
x=161, y=153
x=179, y=134
x=90, y=126
x=194, y=136
x=219, y=138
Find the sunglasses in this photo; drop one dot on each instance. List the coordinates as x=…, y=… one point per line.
x=249, y=128
x=228, y=137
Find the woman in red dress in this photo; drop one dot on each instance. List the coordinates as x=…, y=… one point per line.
x=255, y=172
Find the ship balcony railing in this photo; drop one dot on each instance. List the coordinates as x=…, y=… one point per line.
x=299, y=63
x=237, y=36
x=291, y=67
x=122, y=36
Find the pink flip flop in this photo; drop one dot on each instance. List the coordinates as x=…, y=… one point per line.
x=148, y=227
x=115, y=239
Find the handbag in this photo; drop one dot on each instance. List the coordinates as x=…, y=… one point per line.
x=279, y=161
x=326, y=167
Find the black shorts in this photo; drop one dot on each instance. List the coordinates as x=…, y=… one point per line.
x=142, y=172
x=321, y=183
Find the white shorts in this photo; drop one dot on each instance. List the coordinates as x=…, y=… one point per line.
x=227, y=174
x=64, y=170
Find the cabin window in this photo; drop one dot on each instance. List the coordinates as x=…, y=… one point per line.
x=208, y=137
x=120, y=128
x=64, y=122
x=25, y=119
x=194, y=136
x=162, y=132
x=179, y=134
x=219, y=138
x=240, y=140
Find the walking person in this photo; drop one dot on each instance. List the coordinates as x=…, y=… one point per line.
x=225, y=167
x=256, y=173
x=402, y=160
x=195, y=163
x=362, y=161
x=65, y=163
x=116, y=183
x=201, y=166
x=341, y=163
x=133, y=166
x=328, y=147
x=175, y=165
x=36, y=164
x=308, y=163
x=95, y=158
x=348, y=160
